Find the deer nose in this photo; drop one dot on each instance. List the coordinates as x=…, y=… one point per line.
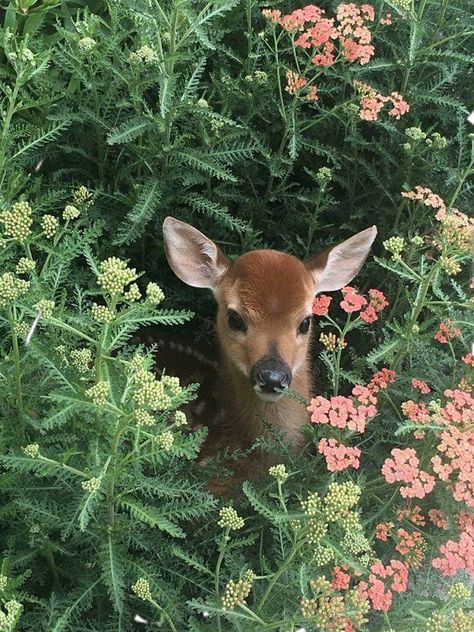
x=271, y=380
x=271, y=375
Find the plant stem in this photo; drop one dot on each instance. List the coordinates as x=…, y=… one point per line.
x=18, y=386
x=218, y=570
x=275, y=577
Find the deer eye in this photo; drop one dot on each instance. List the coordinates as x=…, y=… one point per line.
x=303, y=327
x=235, y=321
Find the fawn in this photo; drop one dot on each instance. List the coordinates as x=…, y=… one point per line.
x=264, y=300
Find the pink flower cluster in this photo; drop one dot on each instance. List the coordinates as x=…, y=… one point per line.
x=338, y=456
x=468, y=359
x=418, y=413
x=340, y=579
x=372, y=102
x=344, y=412
x=354, y=302
x=381, y=380
x=380, y=592
x=421, y=385
x=425, y=195
x=457, y=555
x=459, y=409
x=321, y=305
x=319, y=33
x=456, y=456
x=403, y=467
x=447, y=331
x=294, y=82
x=437, y=518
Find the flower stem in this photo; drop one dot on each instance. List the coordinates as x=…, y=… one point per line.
x=18, y=386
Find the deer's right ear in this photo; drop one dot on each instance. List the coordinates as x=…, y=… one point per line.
x=193, y=257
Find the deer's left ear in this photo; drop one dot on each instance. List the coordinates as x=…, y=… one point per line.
x=336, y=266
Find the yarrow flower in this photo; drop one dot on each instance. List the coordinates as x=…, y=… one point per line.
x=46, y=307
x=381, y=379
x=17, y=222
x=338, y=456
x=446, y=331
x=236, y=593
x=154, y=294
x=403, y=467
x=344, y=412
x=437, y=518
x=92, y=485
x=11, y=288
x=165, y=440
x=32, y=450
x=372, y=102
x=456, y=457
x=86, y=44
x=396, y=246
x=383, y=530
x=331, y=342
x=82, y=197
x=142, y=589
x=378, y=589
x=99, y=393
x=411, y=545
x=279, y=472
x=50, y=225
x=421, y=385
x=294, y=82
x=230, y=519
x=25, y=266
x=144, y=56
x=352, y=300
x=321, y=305
x=115, y=275
x=456, y=555
x=71, y=212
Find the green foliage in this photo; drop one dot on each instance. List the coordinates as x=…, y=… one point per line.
x=116, y=114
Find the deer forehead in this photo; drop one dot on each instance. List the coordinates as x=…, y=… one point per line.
x=268, y=284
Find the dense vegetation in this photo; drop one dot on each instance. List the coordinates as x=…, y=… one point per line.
x=286, y=129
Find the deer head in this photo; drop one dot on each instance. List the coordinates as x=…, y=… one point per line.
x=264, y=299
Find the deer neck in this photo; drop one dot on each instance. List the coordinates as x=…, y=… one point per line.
x=252, y=417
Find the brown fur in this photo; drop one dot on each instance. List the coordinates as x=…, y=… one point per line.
x=273, y=292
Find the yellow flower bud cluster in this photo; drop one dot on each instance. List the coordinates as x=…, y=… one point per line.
x=71, y=212
x=22, y=329
x=50, y=225
x=312, y=505
x=449, y=265
x=180, y=418
x=17, y=222
x=459, y=591
x=142, y=589
x=340, y=498
x=237, y=592
x=92, y=485
x=395, y=245
x=81, y=359
x=133, y=293
x=25, y=266
x=115, y=275
x=357, y=544
x=82, y=197
x=143, y=418
x=144, y=56
x=11, y=288
x=101, y=313
x=462, y=621
x=229, y=518
x=154, y=294
x=46, y=307
x=98, y=393
x=322, y=555
x=279, y=472
x=331, y=342
x=86, y=44
x=317, y=529
x=10, y=617
x=3, y=582
x=32, y=450
x=151, y=394
x=165, y=440
x=172, y=385
x=457, y=229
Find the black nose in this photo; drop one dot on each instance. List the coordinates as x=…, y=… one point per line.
x=269, y=381
x=271, y=374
